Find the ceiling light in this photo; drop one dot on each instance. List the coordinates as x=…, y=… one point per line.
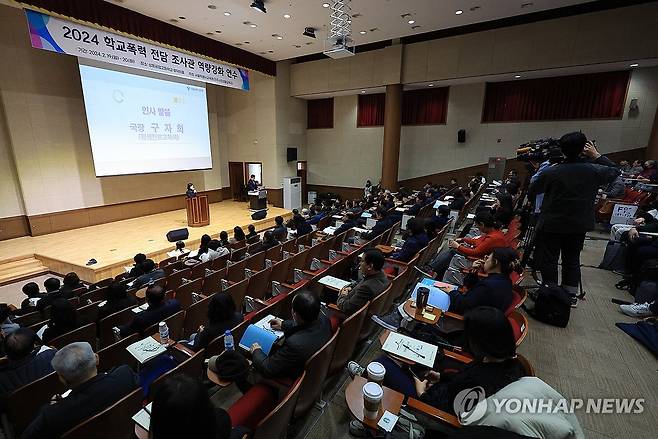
x=362, y=32
x=309, y=32
x=258, y=5
x=431, y=85
x=209, y=33
x=296, y=45
x=474, y=8
x=182, y=18
x=363, y=92
x=459, y=12
x=218, y=31
x=325, y=5
x=277, y=36
x=635, y=65
x=411, y=21
x=173, y=20
x=270, y=51
x=253, y=25
x=286, y=15
x=517, y=76
x=227, y=13
x=415, y=27
x=212, y=7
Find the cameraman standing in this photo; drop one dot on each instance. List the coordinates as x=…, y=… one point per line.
x=567, y=211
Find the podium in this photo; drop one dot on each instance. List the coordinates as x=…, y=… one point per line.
x=257, y=199
x=198, y=214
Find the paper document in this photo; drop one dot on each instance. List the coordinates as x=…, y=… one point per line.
x=470, y=216
x=34, y=300
x=400, y=209
x=264, y=323
x=366, y=215
x=140, y=308
x=336, y=216
x=388, y=421
x=127, y=268
x=438, y=298
x=143, y=417
x=405, y=220
x=254, y=334
x=334, y=282
x=145, y=350
x=448, y=197
x=439, y=203
x=410, y=349
x=360, y=230
x=329, y=230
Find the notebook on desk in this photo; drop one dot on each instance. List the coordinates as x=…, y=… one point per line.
x=146, y=349
x=255, y=334
x=143, y=417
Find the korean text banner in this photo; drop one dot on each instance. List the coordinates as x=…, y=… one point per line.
x=62, y=36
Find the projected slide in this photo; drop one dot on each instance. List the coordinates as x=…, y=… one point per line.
x=139, y=124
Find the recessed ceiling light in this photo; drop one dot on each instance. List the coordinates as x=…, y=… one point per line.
x=411, y=21
x=218, y=31
x=212, y=7
x=173, y=20
x=362, y=32
x=525, y=5
x=431, y=85
x=182, y=18
x=278, y=37
x=308, y=43
x=325, y=5
x=415, y=27
x=474, y=8
x=253, y=25
x=634, y=65
x=209, y=33
x=517, y=76
x=459, y=12
x=246, y=42
x=238, y=44
x=287, y=15
x=296, y=45
x=363, y=92
x=262, y=53
x=227, y=13
x=270, y=51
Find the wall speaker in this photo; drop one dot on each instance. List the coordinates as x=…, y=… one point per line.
x=461, y=136
x=177, y=235
x=259, y=215
x=291, y=154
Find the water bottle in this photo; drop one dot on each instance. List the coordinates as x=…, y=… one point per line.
x=164, y=333
x=228, y=341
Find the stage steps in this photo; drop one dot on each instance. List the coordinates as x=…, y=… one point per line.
x=22, y=268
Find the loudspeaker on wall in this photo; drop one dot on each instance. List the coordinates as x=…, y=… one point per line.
x=461, y=136
x=177, y=235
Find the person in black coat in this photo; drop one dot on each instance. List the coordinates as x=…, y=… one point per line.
x=349, y=222
x=304, y=335
x=419, y=204
x=150, y=274
x=31, y=290
x=494, y=290
x=302, y=227
x=182, y=408
x=27, y=362
x=52, y=286
x=117, y=299
x=567, y=211
x=280, y=230
x=383, y=224
x=415, y=242
x=91, y=392
x=70, y=283
x=63, y=319
x=221, y=316
x=138, y=260
x=458, y=201
x=158, y=310
x=269, y=241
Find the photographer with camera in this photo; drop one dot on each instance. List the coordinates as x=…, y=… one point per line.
x=567, y=210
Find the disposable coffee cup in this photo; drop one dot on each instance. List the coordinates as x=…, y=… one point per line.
x=372, y=398
x=376, y=372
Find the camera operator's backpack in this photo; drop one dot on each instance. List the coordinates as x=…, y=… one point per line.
x=552, y=305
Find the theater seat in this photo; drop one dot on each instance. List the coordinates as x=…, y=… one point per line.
x=253, y=406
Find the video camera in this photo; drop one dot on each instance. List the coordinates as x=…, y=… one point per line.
x=540, y=150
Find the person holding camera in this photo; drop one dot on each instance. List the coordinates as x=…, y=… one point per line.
x=567, y=211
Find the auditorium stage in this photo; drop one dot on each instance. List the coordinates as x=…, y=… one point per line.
x=114, y=244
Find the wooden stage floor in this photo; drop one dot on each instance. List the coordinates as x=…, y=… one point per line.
x=114, y=244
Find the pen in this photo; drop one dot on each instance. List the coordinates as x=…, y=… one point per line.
x=420, y=355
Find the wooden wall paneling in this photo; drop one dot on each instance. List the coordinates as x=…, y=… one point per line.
x=14, y=227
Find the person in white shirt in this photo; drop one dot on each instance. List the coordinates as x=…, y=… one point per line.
x=215, y=250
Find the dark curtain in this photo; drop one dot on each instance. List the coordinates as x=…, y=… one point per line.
x=121, y=19
x=591, y=96
x=320, y=113
x=426, y=106
x=370, y=111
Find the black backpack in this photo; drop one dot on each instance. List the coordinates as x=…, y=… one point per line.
x=552, y=305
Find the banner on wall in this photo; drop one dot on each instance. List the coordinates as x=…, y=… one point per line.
x=63, y=36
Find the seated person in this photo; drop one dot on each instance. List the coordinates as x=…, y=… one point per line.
x=215, y=251
x=27, y=361
x=269, y=241
x=63, y=319
x=52, y=285
x=31, y=290
x=71, y=282
x=419, y=204
x=280, y=230
x=151, y=273
x=305, y=334
x=458, y=201
x=222, y=315
x=203, y=244
x=383, y=224
x=416, y=241
x=321, y=213
x=350, y=220
x=616, y=189
x=136, y=271
x=449, y=263
x=158, y=310
x=180, y=250
x=7, y=324
x=636, y=168
x=645, y=221
x=238, y=235
x=223, y=239
x=494, y=290
x=490, y=340
x=117, y=299
x=252, y=231
x=91, y=392
x=442, y=218
x=351, y=299
x=194, y=415
x=302, y=226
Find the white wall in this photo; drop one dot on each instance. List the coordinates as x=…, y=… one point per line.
x=430, y=149
x=344, y=155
